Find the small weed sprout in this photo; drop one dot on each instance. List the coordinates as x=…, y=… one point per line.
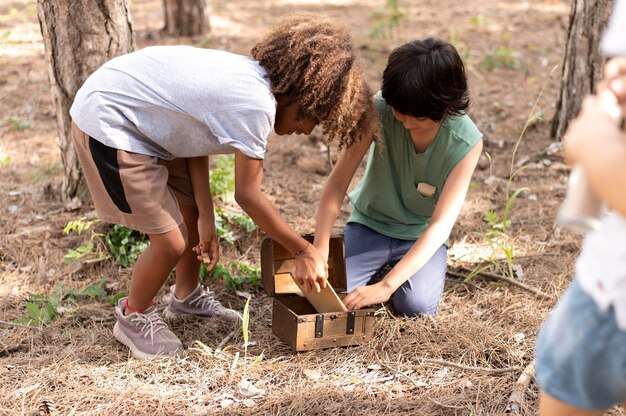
x=19, y=124
x=45, y=172
x=43, y=309
x=498, y=225
x=480, y=22
x=86, y=251
x=500, y=58
x=387, y=19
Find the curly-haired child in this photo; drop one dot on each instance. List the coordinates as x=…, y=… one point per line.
x=145, y=123
x=417, y=176
x=581, y=348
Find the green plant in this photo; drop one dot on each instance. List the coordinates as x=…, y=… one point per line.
x=44, y=172
x=241, y=220
x=222, y=178
x=19, y=124
x=5, y=160
x=496, y=235
x=500, y=58
x=125, y=244
x=479, y=22
x=89, y=250
x=235, y=276
x=387, y=19
x=223, y=220
x=43, y=309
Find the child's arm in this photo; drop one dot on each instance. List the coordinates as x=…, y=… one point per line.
x=443, y=219
x=209, y=242
x=310, y=266
x=334, y=192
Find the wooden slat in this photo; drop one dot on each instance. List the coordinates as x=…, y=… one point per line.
x=277, y=262
x=284, y=284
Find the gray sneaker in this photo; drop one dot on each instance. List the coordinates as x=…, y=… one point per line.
x=146, y=334
x=201, y=304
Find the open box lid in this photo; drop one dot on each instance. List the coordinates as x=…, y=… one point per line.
x=277, y=262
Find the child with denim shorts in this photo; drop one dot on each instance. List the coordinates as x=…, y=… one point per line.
x=418, y=172
x=145, y=123
x=581, y=349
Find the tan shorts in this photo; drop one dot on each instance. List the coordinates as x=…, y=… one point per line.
x=138, y=191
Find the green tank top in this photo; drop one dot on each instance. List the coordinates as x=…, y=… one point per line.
x=386, y=198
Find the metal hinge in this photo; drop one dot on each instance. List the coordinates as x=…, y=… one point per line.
x=350, y=325
x=319, y=326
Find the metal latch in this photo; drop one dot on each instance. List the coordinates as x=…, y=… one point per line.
x=350, y=326
x=319, y=326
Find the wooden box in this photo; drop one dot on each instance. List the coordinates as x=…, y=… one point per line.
x=294, y=320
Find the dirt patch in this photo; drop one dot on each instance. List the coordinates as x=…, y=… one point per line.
x=485, y=329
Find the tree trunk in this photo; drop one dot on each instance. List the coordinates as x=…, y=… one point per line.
x=186, y=17
x=79, y=36
x=582, y=64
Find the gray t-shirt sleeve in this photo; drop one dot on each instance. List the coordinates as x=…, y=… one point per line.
x=243, y=129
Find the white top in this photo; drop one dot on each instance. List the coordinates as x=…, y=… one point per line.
x=178, y=101
x=601, y=266
x=614, y=38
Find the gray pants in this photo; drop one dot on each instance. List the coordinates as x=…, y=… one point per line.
x=368, y=251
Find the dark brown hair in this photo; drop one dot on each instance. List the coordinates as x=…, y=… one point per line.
x=311, y=60
x=426, y=78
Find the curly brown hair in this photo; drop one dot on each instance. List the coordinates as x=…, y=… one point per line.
x=311, y=61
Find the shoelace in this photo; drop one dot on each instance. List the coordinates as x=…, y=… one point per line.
x=150, y=323
x=207, y=300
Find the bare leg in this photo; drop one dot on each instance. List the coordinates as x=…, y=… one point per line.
x=549, y=406
x=154, y=266
x=188, y=267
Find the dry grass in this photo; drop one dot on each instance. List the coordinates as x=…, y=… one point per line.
x=485, y=329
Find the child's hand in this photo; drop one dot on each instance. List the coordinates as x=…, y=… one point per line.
x=311, y=270
x=615, y=79
x=208, y=249
x=592, y=126
x=367, y=295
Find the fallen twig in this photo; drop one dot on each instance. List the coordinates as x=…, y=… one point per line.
x=15, y=324
x=224, y=341
x=448, y=406
x=510, y=281
x=469, y=368
x=389, y=368
x=516, y=399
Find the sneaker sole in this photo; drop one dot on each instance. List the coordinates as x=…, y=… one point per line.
x=137, y=353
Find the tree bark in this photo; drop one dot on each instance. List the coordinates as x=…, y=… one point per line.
x=186, y=17
x=79, y=36
x=582, y=64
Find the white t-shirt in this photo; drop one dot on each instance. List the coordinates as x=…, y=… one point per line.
x=601, y=266
x=178, y=101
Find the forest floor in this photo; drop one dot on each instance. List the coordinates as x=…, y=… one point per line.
x=465, y=361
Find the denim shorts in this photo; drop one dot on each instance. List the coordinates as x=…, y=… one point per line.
x=581, y=353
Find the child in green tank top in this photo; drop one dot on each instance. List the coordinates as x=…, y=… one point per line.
x=418, y=172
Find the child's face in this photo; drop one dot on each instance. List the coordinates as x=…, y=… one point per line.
x=415, y=123
x=288, y=121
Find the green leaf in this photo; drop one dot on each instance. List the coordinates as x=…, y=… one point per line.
x=117, y=297
x=246, y=320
